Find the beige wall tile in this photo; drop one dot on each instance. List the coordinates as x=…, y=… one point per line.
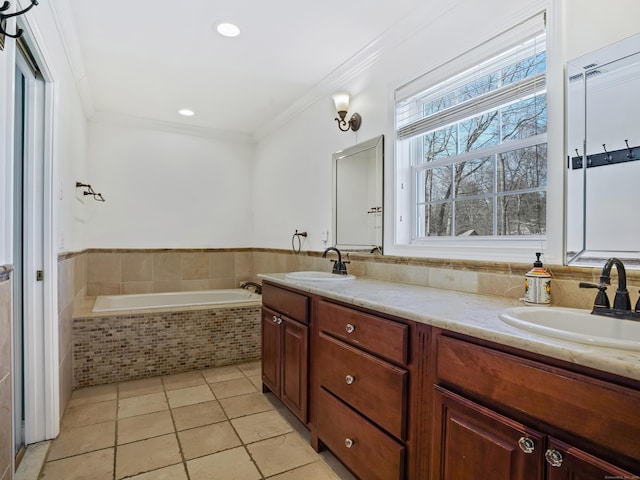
x=137, y=287
x=167, y=286
x=79, y=272
x=66, y=381
x=137, y=267
x=194, y=285
x=65, y=284
x=104, y=267
x=221, y=283
x=6, y=422
x=221, y=265
x=460, y=280
x=65, y=330
x=510, y=286
x=195, y=265
x=6, y=326
x=243, y=265
x=95, y=289
x=166, y=266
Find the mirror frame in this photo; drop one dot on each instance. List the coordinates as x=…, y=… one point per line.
x=376, y=143
x=577, y=72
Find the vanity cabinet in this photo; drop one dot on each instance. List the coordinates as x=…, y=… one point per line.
x=360, y=390
x=501, y=416
x=285, y=352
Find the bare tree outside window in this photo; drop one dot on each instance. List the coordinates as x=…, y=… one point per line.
x=498, y=188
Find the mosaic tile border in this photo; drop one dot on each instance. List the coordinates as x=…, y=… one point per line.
x=128, y=347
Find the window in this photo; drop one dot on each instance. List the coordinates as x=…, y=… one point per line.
x=474, y=149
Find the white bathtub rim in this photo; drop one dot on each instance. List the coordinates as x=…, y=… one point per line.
x=253, y=299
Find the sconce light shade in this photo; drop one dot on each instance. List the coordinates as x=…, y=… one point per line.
x=341, y=101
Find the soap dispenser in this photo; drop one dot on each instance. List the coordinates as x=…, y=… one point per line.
x=537, y=284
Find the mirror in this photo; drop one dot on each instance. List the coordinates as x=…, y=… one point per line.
x=603, y=142
x=357, y=196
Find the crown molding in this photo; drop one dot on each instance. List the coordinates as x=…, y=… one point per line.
x=362, y=61
x=66, y=25
x=118, y=119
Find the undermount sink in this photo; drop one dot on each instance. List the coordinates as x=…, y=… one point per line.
x=318, y=276
x=575, y=325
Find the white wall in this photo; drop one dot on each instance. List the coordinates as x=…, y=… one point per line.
x=300, y=151
x=167, y=190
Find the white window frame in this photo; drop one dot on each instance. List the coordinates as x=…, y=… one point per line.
x=511, y=249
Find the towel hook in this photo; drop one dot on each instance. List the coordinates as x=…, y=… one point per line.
x=608, y=155
x=630, y=154
x=3, y=16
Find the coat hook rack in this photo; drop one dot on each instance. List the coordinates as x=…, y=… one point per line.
x=3, y=16
x=89, y=191
x=605, y=158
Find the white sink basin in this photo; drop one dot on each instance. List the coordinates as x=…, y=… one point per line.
x=318, y=276
x=575, y=325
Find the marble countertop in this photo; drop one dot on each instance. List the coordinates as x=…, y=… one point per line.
x=466, y=313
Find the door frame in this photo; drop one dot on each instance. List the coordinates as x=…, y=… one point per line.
x=41, y=362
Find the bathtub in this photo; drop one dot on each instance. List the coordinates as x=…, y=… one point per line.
x=231, y=297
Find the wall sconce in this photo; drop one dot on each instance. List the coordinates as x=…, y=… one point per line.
x=341, y=101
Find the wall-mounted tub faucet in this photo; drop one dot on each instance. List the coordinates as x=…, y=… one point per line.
x=339, y=267
x=257, y=288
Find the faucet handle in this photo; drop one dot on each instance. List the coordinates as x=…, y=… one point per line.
x=601, y=298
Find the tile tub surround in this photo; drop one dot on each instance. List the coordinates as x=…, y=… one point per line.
x=199, y=425
x=122, y=271
x=6, y=378
x=134, y=345
x=465, y=313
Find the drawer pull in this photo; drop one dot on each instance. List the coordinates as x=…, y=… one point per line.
x=275, y=319
x=526, y=444
x=349, y=379
x=350, y=328
x=554, y=458
x=279, y=321
x=349, y=443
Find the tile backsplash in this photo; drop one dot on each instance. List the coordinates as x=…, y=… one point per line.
x=124, y=271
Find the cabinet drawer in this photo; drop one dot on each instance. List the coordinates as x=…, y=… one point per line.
x=385, y=338
x=372, y=386
x=571, y=401
x=291, y=304
x=373, y=454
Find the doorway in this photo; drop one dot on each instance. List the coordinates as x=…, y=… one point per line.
x=28, y=246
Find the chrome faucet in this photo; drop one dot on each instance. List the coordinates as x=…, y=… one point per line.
x=621, y=302
x=257, y=288
x=339, y=267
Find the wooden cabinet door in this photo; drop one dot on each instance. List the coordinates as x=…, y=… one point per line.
x=472, y=442
x=294, y=367
x=569, y=463
x=271, y=351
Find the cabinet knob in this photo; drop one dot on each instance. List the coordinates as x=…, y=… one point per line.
x=279, y=321
x=275, y=319
x=350, y=328
x=349, y=379
x=349, y=443
x=526, y=444
x=553, y=457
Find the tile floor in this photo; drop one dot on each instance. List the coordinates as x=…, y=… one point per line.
x=206, y=425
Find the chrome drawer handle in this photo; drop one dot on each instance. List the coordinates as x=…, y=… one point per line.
x=526, y=444
x=553, y=457
x=349, y=443
x=349, y=379
x=350, y=328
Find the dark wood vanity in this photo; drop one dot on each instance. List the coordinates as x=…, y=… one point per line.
x=399, y=399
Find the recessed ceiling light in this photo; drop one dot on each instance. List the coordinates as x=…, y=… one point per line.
x=228, y=29
x=186, y=112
